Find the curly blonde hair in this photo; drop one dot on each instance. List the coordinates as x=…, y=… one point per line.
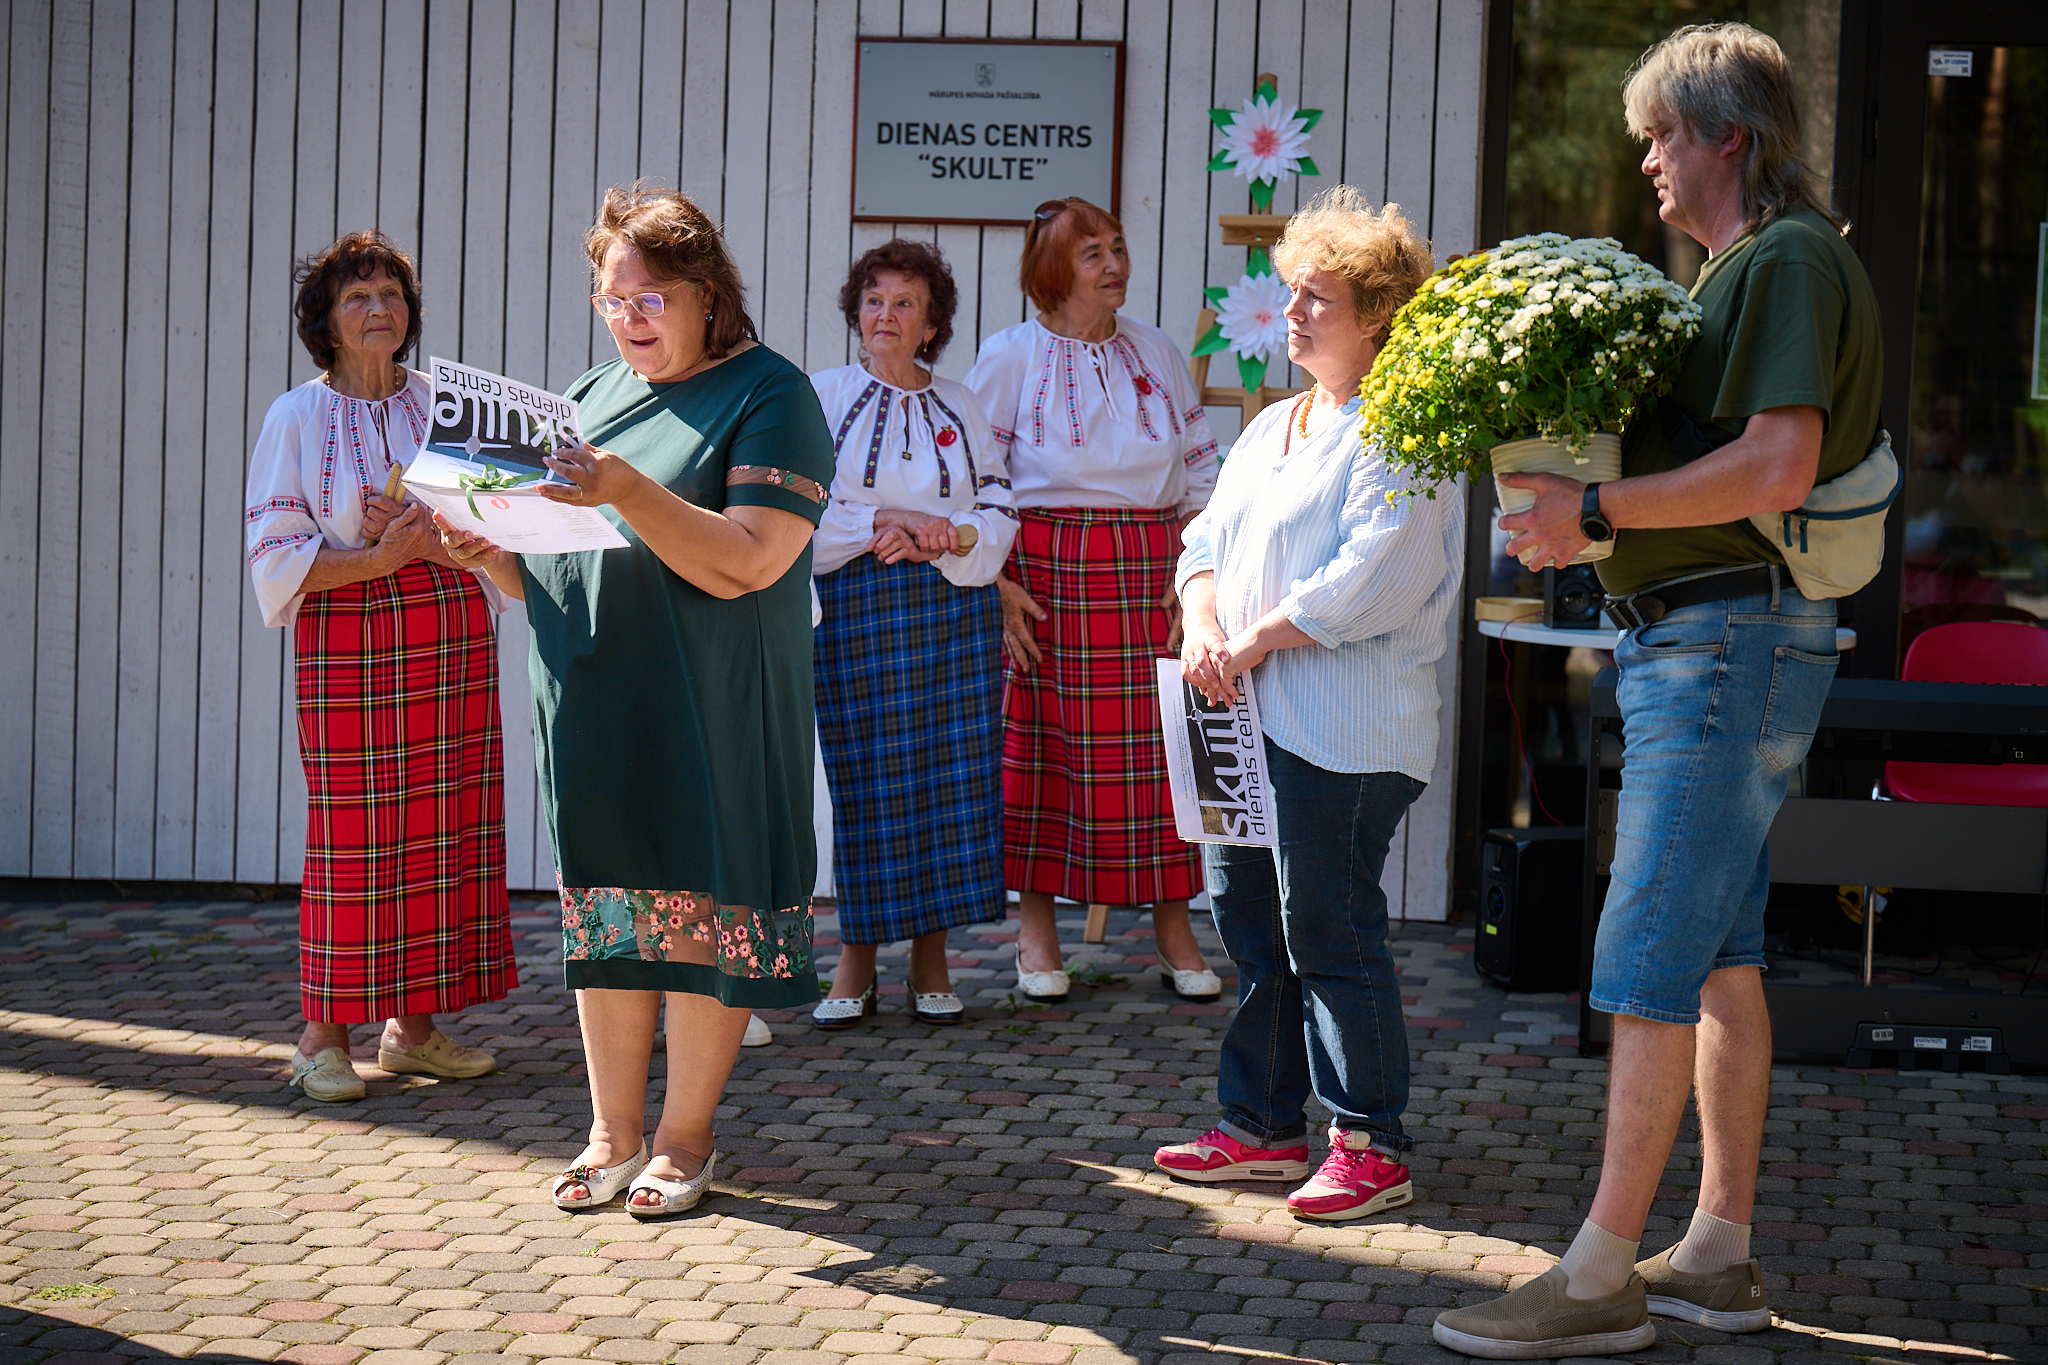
x=1378, y=253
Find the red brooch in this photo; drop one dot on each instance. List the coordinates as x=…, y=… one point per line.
x=948, y=436
x=1143, y=386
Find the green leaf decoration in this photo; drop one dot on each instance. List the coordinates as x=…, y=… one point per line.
x=1306, y=166
x=1257, y=261
x=1216, y=293
x=1309, y=118
x=1252, y=372
x=490, y=480
x=1222, y=161
x=1212, y=341
x=1223, y=118
x=1262, y=196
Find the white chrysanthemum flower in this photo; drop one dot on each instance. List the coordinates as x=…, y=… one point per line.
x=1253, y=316
x=1266, y=140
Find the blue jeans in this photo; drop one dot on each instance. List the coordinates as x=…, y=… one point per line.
x=1306, y=925
x=1719, y=703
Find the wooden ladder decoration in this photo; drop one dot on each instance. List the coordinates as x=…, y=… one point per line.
x=1239, y=229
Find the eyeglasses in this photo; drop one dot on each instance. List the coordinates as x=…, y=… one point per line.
x=1050, y=209
x=646, y=305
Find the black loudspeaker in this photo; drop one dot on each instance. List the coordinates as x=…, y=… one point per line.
x=1572, y=598
x=1528, y=929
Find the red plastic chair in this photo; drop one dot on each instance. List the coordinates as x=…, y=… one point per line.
x=1974, y=652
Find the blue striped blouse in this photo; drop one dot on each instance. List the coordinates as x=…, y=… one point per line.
x=1306, y=524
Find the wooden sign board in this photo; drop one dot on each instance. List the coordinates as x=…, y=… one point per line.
x=986, y=131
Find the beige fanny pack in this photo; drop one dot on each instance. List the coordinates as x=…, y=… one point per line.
x=1833, y=543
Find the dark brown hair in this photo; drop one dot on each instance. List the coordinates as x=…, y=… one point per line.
x=919, y=260
x=322, y=276
x=1046, y=271
x=678, y=241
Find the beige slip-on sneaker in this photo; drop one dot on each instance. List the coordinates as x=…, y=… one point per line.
x=327, y=1075
x=1730, y=1300
x=440, y=1055
x=1540, y=1321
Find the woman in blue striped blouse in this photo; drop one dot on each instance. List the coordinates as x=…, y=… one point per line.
x=1304, y=572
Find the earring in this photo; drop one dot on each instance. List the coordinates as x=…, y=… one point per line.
x=707, y=317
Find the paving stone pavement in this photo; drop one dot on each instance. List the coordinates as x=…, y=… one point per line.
x=898, y=1192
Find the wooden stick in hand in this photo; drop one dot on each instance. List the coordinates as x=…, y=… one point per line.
x=393, y=485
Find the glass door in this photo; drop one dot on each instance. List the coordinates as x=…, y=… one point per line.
x=1975, y=502
x=1946, y=176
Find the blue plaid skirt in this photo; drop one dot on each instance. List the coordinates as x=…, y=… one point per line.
x=910, y=724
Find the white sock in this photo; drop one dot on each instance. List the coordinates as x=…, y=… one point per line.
x=1598, y=1263
x=1711, y=1245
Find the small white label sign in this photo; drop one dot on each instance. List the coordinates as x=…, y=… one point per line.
x=1942, y=61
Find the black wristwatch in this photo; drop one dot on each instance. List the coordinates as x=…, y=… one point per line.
x=1592, y=525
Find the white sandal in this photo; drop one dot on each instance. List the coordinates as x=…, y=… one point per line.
x=1200, y=985
x=601, y=1184
x=936, y=1007
x=678, y=1196
x=1047, y=988
x=844, y=1011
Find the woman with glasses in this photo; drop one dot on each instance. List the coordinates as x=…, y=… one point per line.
x=672, y=693
x=1110, y=456
x=402, y=910
x=909, y=648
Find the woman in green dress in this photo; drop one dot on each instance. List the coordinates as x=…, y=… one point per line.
x=672, y=693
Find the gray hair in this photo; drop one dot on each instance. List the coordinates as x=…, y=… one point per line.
x=1714, y=78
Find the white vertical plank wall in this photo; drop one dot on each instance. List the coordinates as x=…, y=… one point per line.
x=165, y=163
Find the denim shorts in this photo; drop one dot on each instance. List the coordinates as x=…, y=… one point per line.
x=1719, y=703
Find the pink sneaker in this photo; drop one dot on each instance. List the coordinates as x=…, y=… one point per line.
x=1216, y=1155
x=1354, y=1181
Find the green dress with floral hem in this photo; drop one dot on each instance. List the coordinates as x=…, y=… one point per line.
x=674, y=729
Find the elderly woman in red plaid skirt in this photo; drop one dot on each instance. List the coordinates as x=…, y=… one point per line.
x=402, y=911
x=1110, y=456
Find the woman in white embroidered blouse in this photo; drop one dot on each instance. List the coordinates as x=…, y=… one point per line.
x=1110, y=454
x=909, y=648
x=1332, y=579
x=402, y=910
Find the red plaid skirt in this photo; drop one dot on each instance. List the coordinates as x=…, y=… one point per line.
x=402, y=910
x=1086, y=811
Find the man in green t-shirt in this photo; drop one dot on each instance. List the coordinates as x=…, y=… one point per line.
x=1723, y=672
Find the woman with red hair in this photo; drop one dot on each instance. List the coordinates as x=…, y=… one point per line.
x=1110, y=455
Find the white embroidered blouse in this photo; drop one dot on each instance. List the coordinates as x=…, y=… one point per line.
x=319, y=453
x=917, y=450
x=1116, y=423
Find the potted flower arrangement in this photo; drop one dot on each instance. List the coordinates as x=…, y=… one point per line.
x=1533, y=355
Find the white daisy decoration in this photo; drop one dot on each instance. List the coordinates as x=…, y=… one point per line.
x=1253, y=316
x=1264, y=140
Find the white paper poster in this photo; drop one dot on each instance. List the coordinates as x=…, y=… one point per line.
x=482, y=463
x=516, y=519
x=1215, y=764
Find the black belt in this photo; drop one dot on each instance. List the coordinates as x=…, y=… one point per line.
x=1658, y=600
